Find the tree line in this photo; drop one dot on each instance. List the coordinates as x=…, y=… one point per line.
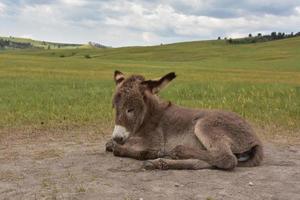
x=10, y=44
x=15, y=45
x=261, y=38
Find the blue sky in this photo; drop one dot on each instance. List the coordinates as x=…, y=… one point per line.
x=145, y=22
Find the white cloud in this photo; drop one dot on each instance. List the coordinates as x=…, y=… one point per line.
x=164, y=17
x=89, y=23
x=133, y=22
x=74, y=2
x=150, y=38
x=298, y=10
x=2, y=8
x=39, y=15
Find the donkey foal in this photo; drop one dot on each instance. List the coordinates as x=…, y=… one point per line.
x=173, y=137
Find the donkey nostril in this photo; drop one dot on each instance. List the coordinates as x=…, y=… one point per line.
x=118, y=140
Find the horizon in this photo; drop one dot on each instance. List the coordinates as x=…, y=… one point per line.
x=203, y=40
x=142, y=23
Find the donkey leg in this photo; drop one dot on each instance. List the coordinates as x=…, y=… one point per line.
x=135, y=152
x=181, y=152
x=164, y=164
x=109, y=146
x=219, y=153
x=221, y=157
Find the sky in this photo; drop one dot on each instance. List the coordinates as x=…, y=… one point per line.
x=145, y=22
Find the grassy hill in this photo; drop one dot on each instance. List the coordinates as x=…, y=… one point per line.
x=37, y=44
x=74, y=86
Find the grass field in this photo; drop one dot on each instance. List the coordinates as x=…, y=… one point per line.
x=63, y=87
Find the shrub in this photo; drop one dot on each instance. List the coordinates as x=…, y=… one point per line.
x=87, y=56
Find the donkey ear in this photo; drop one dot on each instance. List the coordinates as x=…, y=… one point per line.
x=156, y=85
x=118, y=77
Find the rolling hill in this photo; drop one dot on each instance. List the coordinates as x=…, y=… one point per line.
x=260, y=81
x=26, y=43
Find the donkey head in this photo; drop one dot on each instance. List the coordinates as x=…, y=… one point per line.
x=130, y=102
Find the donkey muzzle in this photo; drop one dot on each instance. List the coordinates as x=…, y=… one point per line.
x=120, y=134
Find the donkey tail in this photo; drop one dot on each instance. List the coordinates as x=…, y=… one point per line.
x=256, y=155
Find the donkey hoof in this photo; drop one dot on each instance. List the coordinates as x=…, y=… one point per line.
x=109, y=146
x=147, y=165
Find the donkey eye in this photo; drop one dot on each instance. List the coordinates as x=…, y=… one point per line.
x=130, y=110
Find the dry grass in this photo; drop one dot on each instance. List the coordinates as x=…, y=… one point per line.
x=48, y=153
x=9, y=175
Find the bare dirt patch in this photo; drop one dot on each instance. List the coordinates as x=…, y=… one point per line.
x=64, y=164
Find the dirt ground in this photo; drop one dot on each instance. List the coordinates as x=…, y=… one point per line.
x=54, y=165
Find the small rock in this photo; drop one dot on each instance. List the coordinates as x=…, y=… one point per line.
x=251, y=183
x=178, y=185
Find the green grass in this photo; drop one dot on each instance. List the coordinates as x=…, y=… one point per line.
x=259, y=81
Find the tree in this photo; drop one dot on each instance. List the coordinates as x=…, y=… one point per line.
x=250, y=35
x=219, y=38
x=259, y=35
x=273, y=35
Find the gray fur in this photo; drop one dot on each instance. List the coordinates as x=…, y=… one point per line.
x=176, y=137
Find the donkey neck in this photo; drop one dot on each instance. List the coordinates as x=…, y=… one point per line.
x=156, y=109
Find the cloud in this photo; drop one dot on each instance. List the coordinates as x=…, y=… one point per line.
x=2, y=8
x=165, y=18
x=133, y=22
x=233, y=8
x=74, y=2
